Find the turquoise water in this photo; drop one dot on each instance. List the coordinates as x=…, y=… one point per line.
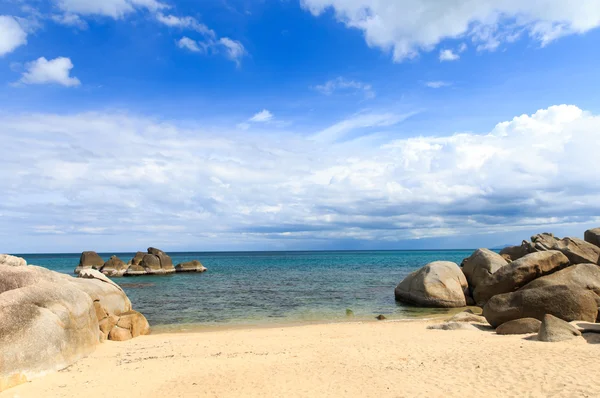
x=270, y=287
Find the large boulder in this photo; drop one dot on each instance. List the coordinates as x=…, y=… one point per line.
x=577, y=250
x=542, y=242
x=13, y=261
x=166, y=264
x=554, y=329
x=100, y=288
x=516, y=252
x=480, y=266
x=89, y=259
x=518, y=273
x=439, y=284
x=565, y=302
x=190, y=266
x=593, y=236
x=114, y=267
x=151, y=264
x=519, y=326
x=129, y=325
x=137, y=259
x=135, y=270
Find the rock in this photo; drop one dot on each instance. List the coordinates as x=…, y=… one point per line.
x=593, y=236
x=89, y=259
x=520, y=326
x=565, y=302
x=190, y=266
x=349, y=312
x=107, y=324
x=166, y=264
x=101, y=289
x=135, y=322
x=554, y=329
x=119, y=334
x=453, y=326
x=467, y=317
x=13, y=261
x=439, y=284
x=578, y=251
x=380, y=317
x=480, y=266
x=151, y=264
x=516, y=252
x=137, y=259
x=518, y=273
x=542, y=242
x=135, y=270
x=114, y=267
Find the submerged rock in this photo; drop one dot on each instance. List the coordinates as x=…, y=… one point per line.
x=520, y=326
x=190, y=266
x=554, y=329
x=438, y=284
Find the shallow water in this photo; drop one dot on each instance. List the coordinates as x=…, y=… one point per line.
x=258, y=288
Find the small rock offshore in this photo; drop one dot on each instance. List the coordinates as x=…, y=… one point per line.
x=548, y=286
x=152, y=262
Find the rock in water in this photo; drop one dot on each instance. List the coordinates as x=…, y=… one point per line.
x=89, y=259
x=13, y=261
x=593, y=236
x=480, y=266
x=554, y=329
x=565, y=302
x=190, y=266
x=519, y=273
x=151, y=264
x=439, y=284
x=520, y=326
x=380, y=317
x=166, y=264
x=137, y=259
x=114, y=267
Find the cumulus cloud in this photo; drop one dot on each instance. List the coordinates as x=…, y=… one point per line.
x=408, y=27
x=42, y=71
x=340, y=83
x=262, y=117
x=84, y=175
x=108, y=8
x=12, y=35
x=448, y=55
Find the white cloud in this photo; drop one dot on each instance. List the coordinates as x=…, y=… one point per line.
x=108, y=8
x=187, y=43
x=437, y=84
x=70, y=20
x=220, y=188
x=234, y=50
x=184, y=23
x=262, y=117
x=448, y=55
x=341, y=83
x=12, y=34
x=42, y=71
x=408, y=27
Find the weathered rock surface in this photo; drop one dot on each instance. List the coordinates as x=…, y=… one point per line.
x=89, y=259
x=516, y=252
x=520, y=326
x=101, y=289
x=593, y=236
x=439, y=284
x=480, y=266
x=13, y=261
x=554, y=329
x=542, y=242
x=190, y=266
x=577, y=251
x=129, y=325
x=518, y=273
x=137, y=259
x=565, y=302
x=467, y=317
x=453, y=326
x=166, y=264
x=114, y=267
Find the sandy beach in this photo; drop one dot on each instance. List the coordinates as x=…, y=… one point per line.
x=368, y=359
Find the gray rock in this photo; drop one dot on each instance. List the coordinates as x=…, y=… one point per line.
x=519, y=273
x=114, y=267
x=100, y=288
x=151, y=264
x=593, y=236
x=13, y=261
x=554, y=329
x=89, y=259
x=577, y=251
x=166, y=264
x=516, y=252
x=565, y=302
x=137, y=259
x=453, y=326
x=439, y=284
x=480, y=266
x=520, y=326
x=467, y=317
x=190, y=266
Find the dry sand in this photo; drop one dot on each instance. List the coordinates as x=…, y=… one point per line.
x=379, y=359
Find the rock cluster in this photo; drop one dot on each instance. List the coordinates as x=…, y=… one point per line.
x=536, y=287
x=50, y=320
x=152, y=262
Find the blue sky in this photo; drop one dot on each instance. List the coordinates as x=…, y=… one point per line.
x=298, y=124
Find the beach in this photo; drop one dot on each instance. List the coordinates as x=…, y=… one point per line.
x=362, y=359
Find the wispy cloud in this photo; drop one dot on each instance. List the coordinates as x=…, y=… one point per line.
x=262, y=117
x=342, y=84
x=437, y=84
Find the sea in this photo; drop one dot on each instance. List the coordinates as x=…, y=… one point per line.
x=270, y=288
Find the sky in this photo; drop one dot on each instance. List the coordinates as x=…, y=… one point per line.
x=221, y=125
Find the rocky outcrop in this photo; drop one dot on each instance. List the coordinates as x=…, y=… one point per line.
x=479, y=268
x=542, y=242
x=13, y=261
x=439, y=284
x=190, y=266
x=114, y=267
x=519, y=326
x=577, y=251
x=554, y=329
x=50, y=320
x=565, y=302
x=89, y=259
x=137, y=259
x=518, y=273
x=127, y=326
x=593, y=236
x=513, y=253
x=157, y=262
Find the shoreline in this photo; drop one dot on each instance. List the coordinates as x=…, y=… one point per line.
x=368, y=359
